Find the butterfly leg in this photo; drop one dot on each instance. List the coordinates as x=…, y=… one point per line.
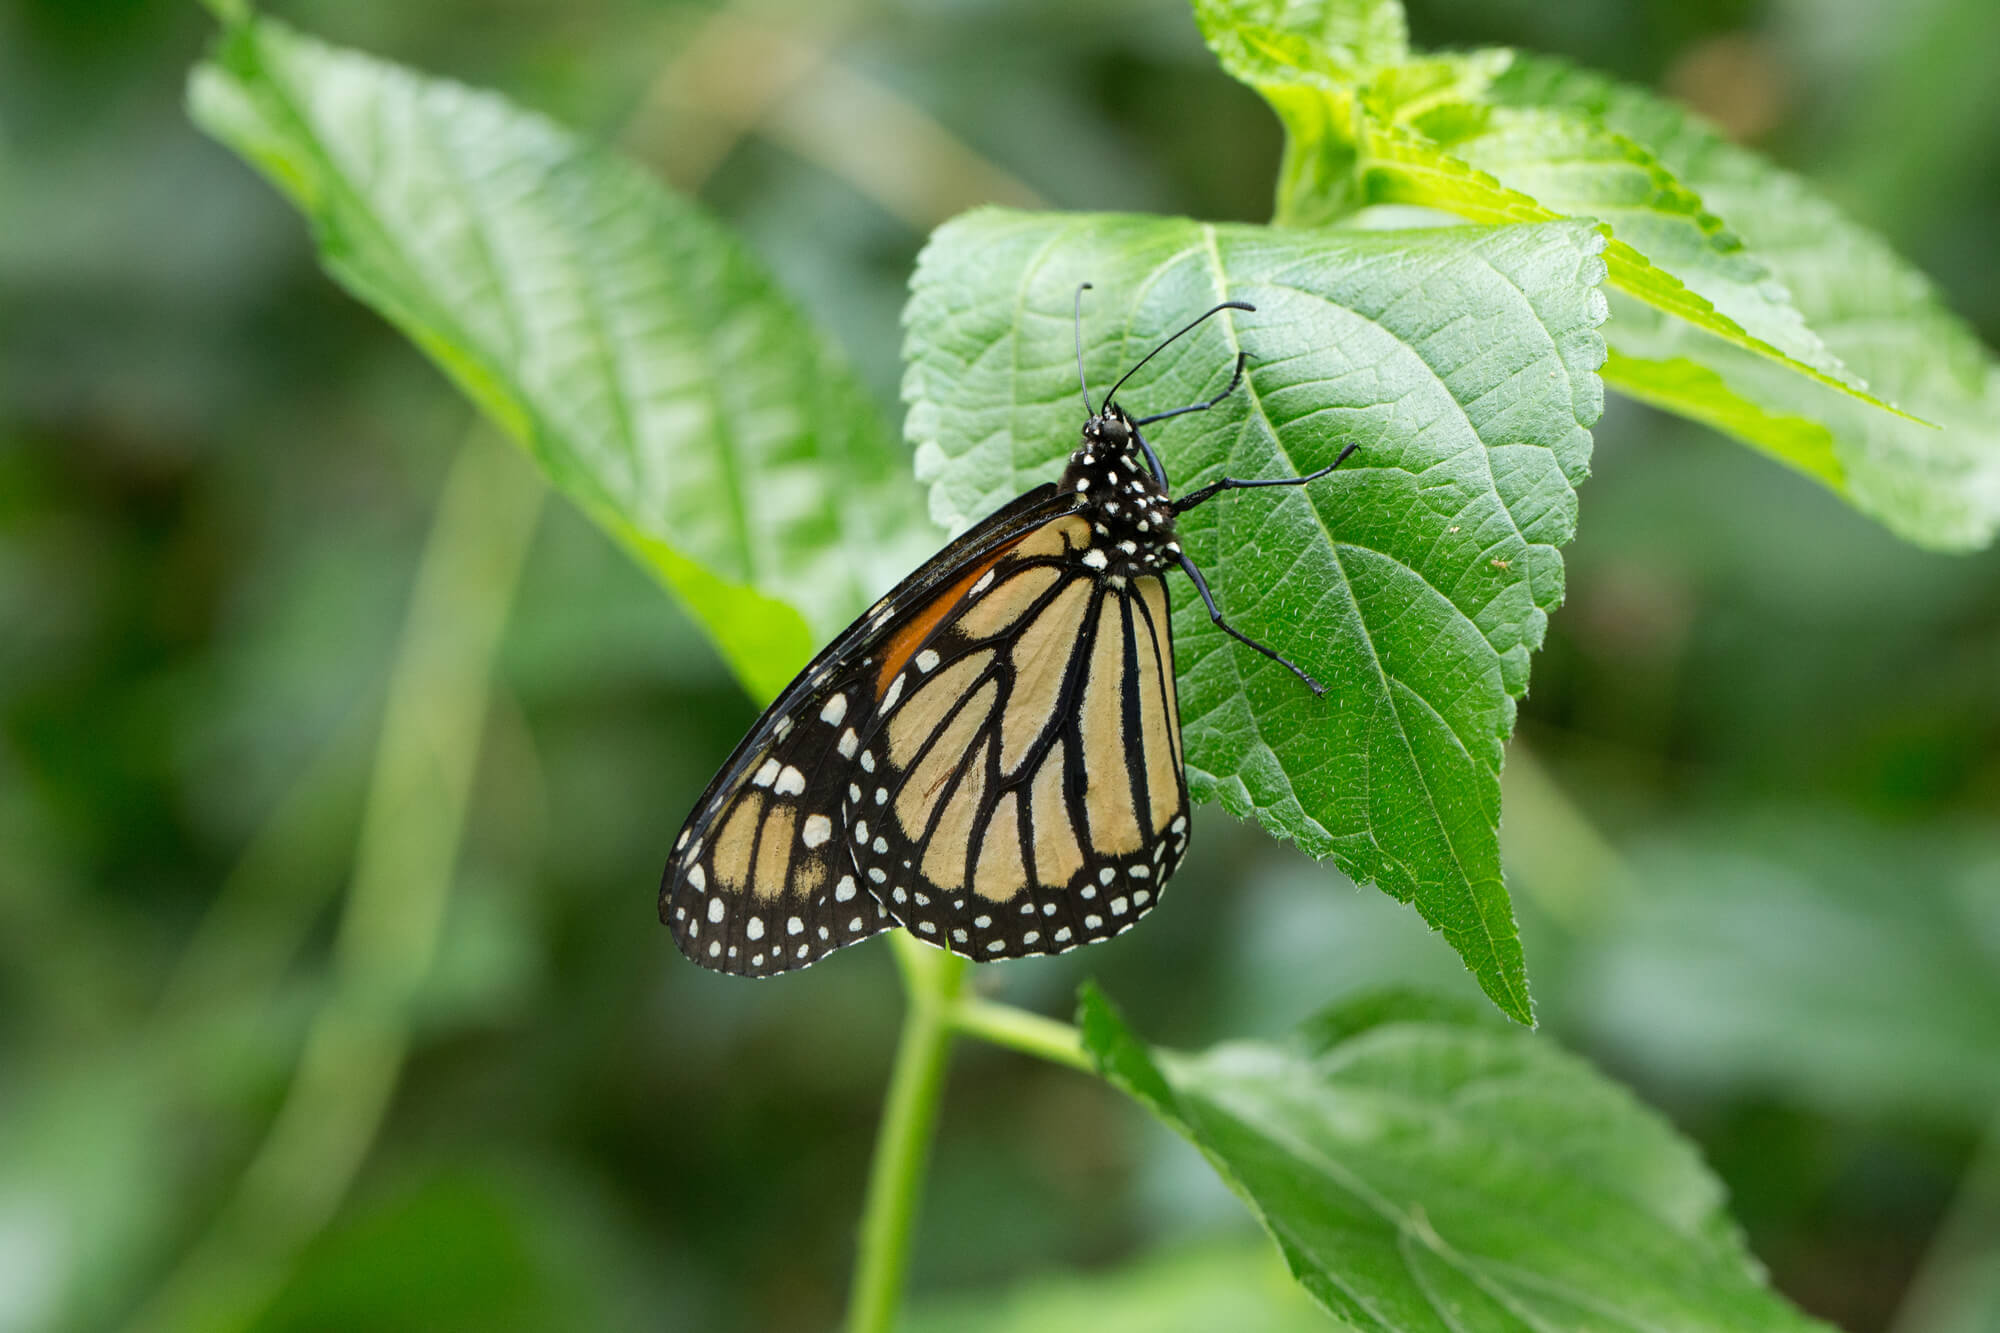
x=1208, y=600
x=1242, y=359
x=1214, y=488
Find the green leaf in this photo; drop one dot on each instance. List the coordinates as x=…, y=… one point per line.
x=1414, y=582
x=1421, y=134
x=1425, y=1173
x=1877, y=313
x=1583, y=169
x=1348, y=36
x=646, y=362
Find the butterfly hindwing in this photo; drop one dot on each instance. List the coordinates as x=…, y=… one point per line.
x=1024, y=791
x=761, y=879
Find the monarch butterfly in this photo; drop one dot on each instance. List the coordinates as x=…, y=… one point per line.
x=990, y=757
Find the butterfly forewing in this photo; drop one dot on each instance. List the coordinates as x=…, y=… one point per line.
x=762, y=878
x=1024, y=792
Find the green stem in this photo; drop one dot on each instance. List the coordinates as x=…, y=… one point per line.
x=932, y=980
x=1019, y=1030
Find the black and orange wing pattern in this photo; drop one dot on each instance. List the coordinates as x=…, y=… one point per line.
x=1023, y=790
x=991, y=756
x=761, y=879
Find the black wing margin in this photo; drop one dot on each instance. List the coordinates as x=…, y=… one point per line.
x=760, y=879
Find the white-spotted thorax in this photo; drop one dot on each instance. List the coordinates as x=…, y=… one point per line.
x=1125, y=498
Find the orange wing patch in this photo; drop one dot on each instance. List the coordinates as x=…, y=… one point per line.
x=903, y=644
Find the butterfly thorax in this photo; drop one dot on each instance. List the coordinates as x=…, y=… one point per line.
x=1131, y=516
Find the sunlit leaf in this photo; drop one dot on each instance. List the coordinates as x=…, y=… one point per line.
x=1884, y=319
x=647, y=363
x=1740, y=298
x=1359, y=135
x=1414, y=582
x=1422, y=1170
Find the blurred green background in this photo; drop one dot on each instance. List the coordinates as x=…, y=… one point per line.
x=1750, y=814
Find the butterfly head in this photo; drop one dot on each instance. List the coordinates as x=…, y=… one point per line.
x=1124, y=495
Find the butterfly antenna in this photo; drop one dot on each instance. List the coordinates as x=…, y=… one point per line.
x=1226, y=305
x=1082, y=383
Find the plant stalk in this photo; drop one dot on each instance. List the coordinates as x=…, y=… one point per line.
x=932, y=980
x=1019, y=1030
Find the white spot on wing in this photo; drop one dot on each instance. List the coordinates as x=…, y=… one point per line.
x=927, y=661
x=818, y=829
x=790, y=782
x=715, y=909
x=835, y=710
